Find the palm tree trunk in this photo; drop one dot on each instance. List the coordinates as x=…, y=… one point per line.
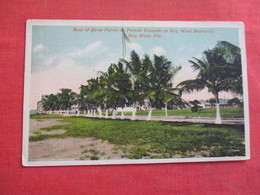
x=166, y=113
x=133, y=114
x=100, y=112
x=122, y=115
x=149, y=114
x=114, y=114
x=218, y=118
x=106, y=113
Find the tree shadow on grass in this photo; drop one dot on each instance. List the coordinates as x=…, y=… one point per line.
x=230, y=126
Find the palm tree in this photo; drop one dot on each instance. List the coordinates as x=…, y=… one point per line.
x=152, y=81
x=66, y=99
x=171, y=95
x=134, y=65
x=100, y=93
x=160, y=89
x=93, y=99
x=212, y=101
x=234, y=102
x=234, y=66
x=110, y=90
x=213, y=74
x=50, y=103
x=119, y=86
x=138, y=69
x=83, y=98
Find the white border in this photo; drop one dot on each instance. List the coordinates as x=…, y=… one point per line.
x=121, y=23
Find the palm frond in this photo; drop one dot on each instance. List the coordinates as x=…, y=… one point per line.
x=191, y=85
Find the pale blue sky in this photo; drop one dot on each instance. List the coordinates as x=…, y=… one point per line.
x=63, y=58
x=62, y=40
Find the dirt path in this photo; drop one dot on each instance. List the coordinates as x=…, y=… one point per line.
x=70, y=147
x=37, y=124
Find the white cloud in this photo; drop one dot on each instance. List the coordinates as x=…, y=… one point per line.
x=90, y=51
x=93, y=47
x=185, y=73
x=49, y=61
x=70, y=70
x=135, y=46
x=66, y=74
x=184, y=48
x=39, y=47
x=158, y=50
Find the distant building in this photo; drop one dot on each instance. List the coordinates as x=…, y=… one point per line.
x=206, y=104
x=222, y=104
x=40, y=108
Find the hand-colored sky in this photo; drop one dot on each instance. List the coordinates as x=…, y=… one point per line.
x=65, y=58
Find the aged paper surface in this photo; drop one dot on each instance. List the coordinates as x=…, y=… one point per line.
x=128, y=92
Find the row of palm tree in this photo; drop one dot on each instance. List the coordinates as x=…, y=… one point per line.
x=149, y=82
x=60, y=101
x=134, y=82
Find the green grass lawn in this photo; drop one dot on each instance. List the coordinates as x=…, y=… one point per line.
x=46, y=116
x=209, y=112
x=155, y=139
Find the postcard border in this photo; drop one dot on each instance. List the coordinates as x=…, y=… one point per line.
x=200, y=24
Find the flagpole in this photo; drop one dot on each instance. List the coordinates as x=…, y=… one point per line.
x=124, y=38
x=123, y=44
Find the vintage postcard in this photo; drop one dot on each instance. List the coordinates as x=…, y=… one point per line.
x=131, y=92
